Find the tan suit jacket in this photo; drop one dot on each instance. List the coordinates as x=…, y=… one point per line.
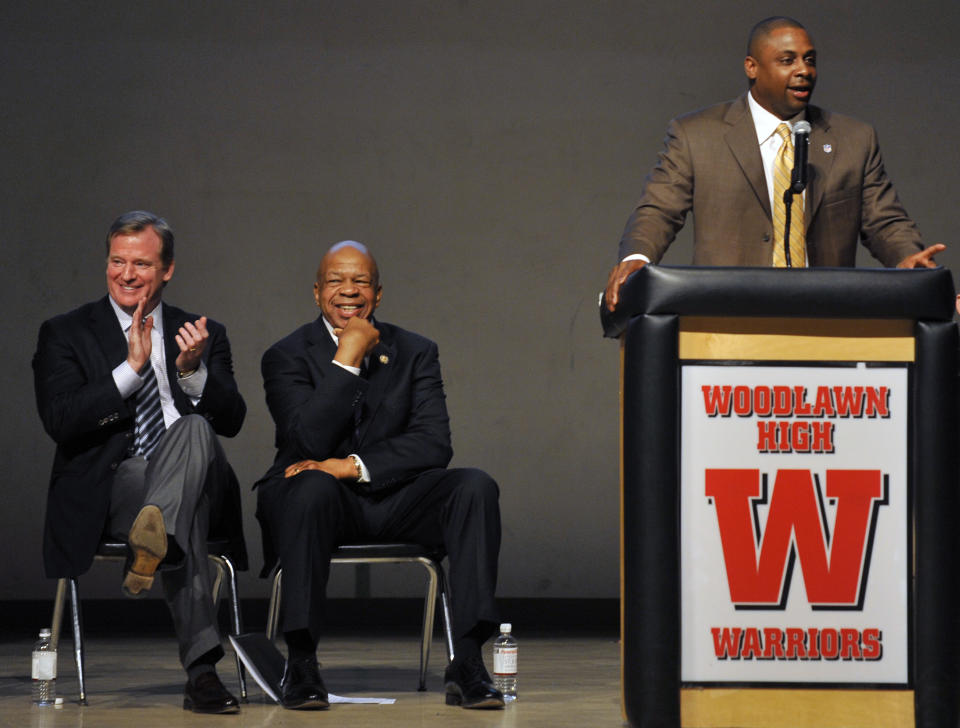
x=711, y=165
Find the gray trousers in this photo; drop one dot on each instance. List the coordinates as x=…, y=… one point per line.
x=185, y=478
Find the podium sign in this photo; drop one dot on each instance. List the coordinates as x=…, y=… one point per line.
x=789, y=498
x=797, y=567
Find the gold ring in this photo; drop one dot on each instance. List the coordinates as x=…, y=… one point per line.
x=193, y=348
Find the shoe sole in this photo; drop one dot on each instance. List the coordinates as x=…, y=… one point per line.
x=148, y=541
x=489, y=704
x=309, y=705
x=188, y=705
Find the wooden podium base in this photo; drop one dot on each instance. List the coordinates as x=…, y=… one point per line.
x=776, y=708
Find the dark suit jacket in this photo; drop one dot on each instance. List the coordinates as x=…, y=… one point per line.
x=83, y=412
x=394, y=418
x=711, y=165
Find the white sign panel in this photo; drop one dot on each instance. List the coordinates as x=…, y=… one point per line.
x=794, y=510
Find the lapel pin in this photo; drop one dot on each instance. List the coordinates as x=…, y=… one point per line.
x=827, y=148
x=384, y=359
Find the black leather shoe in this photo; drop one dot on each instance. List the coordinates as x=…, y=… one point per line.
x=468, y=684
x=206, y=694
x=302, y=687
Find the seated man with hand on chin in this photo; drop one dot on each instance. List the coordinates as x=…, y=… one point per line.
x=363, y=441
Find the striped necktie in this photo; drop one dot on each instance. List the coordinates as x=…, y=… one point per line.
x=149, y=426
x=782, y=169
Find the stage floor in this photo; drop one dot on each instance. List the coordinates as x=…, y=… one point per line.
x=136, y=682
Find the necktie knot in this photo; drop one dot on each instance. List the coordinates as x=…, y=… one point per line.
x=783, y=131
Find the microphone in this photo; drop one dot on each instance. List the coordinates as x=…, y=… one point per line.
x=801, y=143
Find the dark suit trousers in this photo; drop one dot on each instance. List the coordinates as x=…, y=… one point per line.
x=310, y=514
x=185, y=478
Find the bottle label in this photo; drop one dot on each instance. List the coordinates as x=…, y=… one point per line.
x=44, y=666
x=505, y=661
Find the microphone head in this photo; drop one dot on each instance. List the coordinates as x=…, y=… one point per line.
x=801, y=127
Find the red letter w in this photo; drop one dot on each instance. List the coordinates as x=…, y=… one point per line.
x=759, y=566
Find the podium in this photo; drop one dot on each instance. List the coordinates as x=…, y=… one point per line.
x=790, y=514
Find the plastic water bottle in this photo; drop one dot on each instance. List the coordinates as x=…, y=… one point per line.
x=505, y=663
x=44, y=670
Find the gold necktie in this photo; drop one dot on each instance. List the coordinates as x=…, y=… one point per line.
x=782, y=168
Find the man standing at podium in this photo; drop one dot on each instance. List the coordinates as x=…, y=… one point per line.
x=729, y=164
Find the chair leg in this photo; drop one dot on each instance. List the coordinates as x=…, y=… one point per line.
x=78, y=638
x=429, y=608
x=437, y=583
x=445, y=605
x=56, y=625
x=57, y=619
x=225, y=567
x=273, y=611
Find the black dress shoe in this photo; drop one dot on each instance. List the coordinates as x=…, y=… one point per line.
x=468, y=684
x=302, y=687
x=206, y=694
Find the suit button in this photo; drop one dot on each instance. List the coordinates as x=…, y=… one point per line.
x=113, y=466
x=128, y=435
x=766, y=237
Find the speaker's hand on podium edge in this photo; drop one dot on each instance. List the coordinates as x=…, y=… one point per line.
x=617, y=277
x=923, y=259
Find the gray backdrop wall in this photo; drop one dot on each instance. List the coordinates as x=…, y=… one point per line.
x=489, y=152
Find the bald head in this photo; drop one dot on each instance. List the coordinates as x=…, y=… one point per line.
x=358, y=247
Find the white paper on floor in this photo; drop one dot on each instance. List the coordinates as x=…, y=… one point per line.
x=378, y=701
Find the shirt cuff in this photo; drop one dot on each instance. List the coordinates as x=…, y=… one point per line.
x=364, y=473
x=193, y=384
x=126, y=379
x=353, y=370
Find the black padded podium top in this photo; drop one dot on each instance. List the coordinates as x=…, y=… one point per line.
x=919, y=294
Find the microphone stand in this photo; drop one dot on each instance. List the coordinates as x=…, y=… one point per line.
x=788, y=203
x=798, y=182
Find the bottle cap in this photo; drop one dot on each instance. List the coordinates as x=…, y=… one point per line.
x=45, y=632
x=506, y=627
